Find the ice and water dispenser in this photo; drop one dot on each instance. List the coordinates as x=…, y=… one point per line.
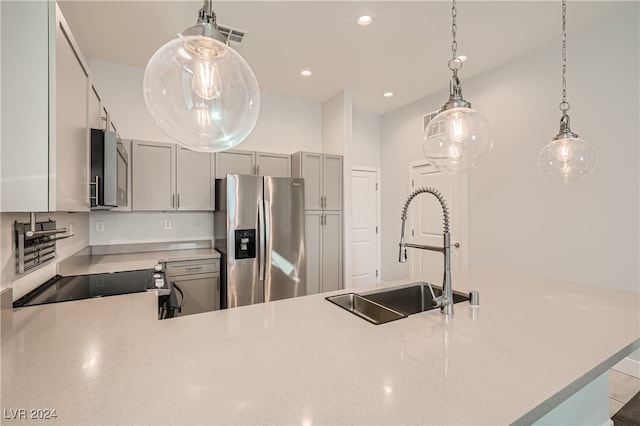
x=245, y=243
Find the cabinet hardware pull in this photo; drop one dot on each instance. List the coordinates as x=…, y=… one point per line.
x=178, y=200
x=193, y=268
x=96, y=184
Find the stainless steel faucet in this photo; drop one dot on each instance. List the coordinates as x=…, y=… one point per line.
x=445, y=302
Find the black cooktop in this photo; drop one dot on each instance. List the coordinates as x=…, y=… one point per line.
x=64, y=289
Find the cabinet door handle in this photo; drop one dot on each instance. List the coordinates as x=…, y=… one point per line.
x=96, y=185
x=173, y=200
x=178, y=200
x=258, y=169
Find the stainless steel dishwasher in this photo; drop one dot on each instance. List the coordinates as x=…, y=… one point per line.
x=199, y=283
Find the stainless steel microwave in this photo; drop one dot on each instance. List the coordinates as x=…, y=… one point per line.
x=109, y=165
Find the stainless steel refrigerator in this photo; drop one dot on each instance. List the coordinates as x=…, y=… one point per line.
x=259, y=231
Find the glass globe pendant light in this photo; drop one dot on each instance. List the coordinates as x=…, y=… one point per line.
x=200, y=91
x=568, y=158
x=458, y=137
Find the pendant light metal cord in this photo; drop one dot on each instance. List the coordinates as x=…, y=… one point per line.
x=454, y=63
x=564, y=105
x=454, y=29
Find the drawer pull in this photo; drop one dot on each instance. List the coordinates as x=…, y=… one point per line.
x=193, y=268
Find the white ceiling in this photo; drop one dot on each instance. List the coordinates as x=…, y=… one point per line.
x=405, y=50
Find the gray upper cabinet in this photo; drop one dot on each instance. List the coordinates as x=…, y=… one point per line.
x=270, y=164
x=194, y=180
x=168, y=177
x=45, y=92
x=238, y=162
x=322, y=175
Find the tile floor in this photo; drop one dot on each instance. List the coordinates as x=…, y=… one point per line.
x=622, y=388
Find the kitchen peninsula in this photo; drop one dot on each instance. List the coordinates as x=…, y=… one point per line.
x=530, y=345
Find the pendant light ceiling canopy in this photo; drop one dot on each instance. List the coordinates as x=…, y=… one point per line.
x=458, y=137
x=567, y=158
x=200, y=91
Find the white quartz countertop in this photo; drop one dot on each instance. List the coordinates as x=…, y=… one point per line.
x=532, y=343
x=97, y=264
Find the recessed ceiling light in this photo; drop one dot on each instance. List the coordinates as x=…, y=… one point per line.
x=364, y=20
x=388, y=94
x=306, y=73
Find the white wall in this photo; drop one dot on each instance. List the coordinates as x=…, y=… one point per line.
x=366, y=139
x=285, y=125
x=586, y=232
x=333, y=124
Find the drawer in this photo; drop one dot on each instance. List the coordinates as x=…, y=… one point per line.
x=193, y=267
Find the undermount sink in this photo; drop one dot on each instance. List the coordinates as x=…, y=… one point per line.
x=381, y=306
x=410, y=299
x=365, y=309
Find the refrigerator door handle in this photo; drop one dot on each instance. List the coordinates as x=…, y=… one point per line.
x=267, y=232
x=261, y=241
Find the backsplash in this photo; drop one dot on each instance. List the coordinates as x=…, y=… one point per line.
x=23, y=283
x=145, y=227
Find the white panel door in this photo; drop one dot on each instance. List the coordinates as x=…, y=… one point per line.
x=425, y=223
x=313, y=245
x=364, y=227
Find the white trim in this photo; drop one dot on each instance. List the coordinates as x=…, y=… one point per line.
x=378, y=173
x=628, y=366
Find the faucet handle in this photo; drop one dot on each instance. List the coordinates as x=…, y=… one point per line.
x=434, y=302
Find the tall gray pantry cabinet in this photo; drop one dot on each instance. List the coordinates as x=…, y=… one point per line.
x=323, y=186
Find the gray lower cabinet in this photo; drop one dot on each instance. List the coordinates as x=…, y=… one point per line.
x=199, y=281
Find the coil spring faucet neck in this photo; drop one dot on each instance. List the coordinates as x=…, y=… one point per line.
x=445, y=302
